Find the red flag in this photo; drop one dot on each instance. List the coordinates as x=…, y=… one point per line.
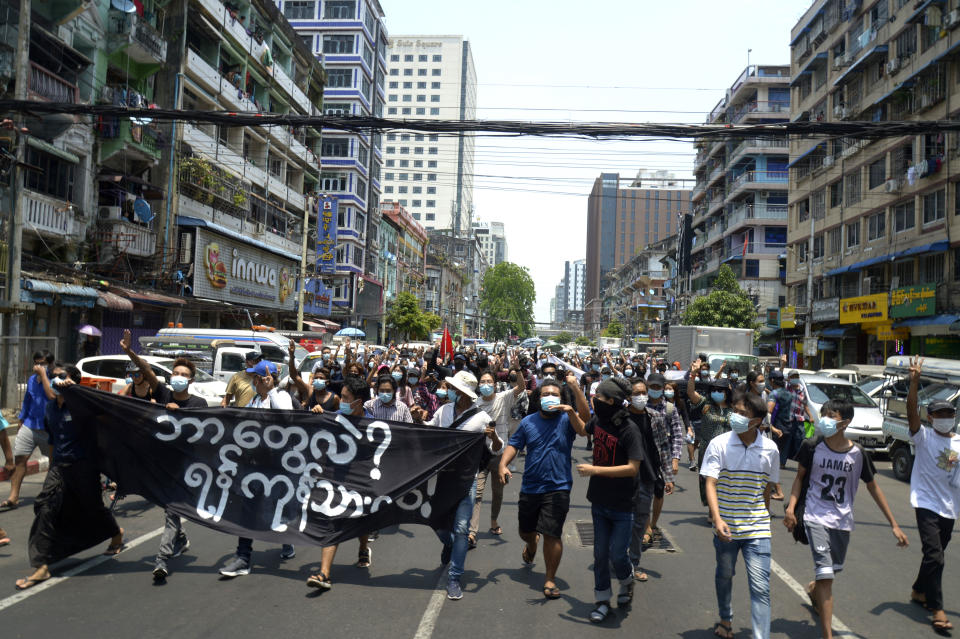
x=446, y=345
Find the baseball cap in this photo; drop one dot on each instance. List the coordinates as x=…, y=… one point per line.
x=263, y=368
x=656, y=378
x=253, y=356
x=460, y=356
x=465, y=382
x=776, y=374
x=939, y=405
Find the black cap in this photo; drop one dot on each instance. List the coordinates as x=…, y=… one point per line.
x=460, y=356
x=719, y=383
x=656, y=378
x=776, y=374
x=939, y=405
x=253, y=356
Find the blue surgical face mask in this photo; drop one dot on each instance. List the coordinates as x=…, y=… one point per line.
x=452, y=395
x=486, y=390
x=654, y=393
x=668, y=393
x=441, y=393
x=628, y=372
x=827, y=426
x=319, y=384
x=179, y=383
x=397, y=375
x=129, y=380
x=704, y=374
x=596, y=367
x=549, y=403
x=795, y=383
x=413, y=381
x=386, y=398
x=604, y=377
x=739, y=423
x=345, y=409
x=326, y=356
x=718, y=396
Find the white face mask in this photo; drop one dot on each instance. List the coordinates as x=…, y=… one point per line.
x=639, y=401
x=942, y=425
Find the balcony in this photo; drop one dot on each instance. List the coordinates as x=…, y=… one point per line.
x=47, y=215
x=760, y=108
x=759, y=145
x=122, y=237
x=698, y=191
x=204, y=74
x=222, y=154
x=122, y=136
x=756, y=213
x=50, y=87
x=762, y=179
x=137, y=37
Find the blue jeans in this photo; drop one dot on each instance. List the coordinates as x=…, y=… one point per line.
x=756, y=556
x=458, y=536
x=611, y=536
x=245, y=548
x=642, y=504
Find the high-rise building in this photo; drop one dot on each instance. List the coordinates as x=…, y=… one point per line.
x=493, y=240
x=350, y=38
x=740, y=197
x=431, y=175
x=574, y=280
x=559, y=305
x=885, y=279
x=623, y=216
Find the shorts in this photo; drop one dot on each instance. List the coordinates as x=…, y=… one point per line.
x=829, y=548
x=28, y=439
x=658, y=487
x=544, y=513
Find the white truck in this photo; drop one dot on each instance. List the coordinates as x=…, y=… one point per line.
x=731, y=345
x=220, y=358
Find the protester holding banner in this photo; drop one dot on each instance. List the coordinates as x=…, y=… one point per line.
x=173, y=541
x=547, y=436
x=460, y=413
x=268, y=396
x=386, y=405
x=70, y=515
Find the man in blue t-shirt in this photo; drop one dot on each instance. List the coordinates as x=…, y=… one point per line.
x=547, y=436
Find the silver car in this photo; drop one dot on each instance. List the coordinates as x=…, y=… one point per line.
x=867, y=426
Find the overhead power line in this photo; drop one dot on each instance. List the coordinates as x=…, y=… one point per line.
x=597, y=130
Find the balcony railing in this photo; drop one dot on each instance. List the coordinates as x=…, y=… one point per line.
x=756, y=212
x=759, y=107
x=125, y=237
x=758, y=143
x=762, y=177
x=47, y=215
x=146, y=42
x=50, y=86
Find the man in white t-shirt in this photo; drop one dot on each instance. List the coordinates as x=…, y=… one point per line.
x=498, y=407
x=461, y=413
x=934, y=492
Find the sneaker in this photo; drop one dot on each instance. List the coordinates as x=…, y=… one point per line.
x=288, y=552
x=160, y=571
x=600, y=612
x=446, y=554
x=180, y=545
x=454, y=591
x=236, y=567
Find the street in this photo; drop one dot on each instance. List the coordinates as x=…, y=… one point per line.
x=398, y=596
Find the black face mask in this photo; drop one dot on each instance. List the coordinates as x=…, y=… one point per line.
x=513, y=378
x=458, y=364
x=605, y=411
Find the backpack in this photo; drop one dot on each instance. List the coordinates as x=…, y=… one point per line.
x=800, y=531
x=783, y=405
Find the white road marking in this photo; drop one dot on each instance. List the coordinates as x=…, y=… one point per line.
x=93, y=562
x=429, y=619
x=840, y=629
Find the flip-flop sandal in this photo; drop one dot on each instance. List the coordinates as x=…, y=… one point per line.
x=551, y=592
x=4, y=542
x=28, y=583
x=115, y=549
x=6, y=505
x=719, y=628
x=599, y=613
x=496, y=531
x=942, y=626
x=657, y=535
x=471, y=542
x=640, y=576
x=319, y=580
x=364, y=559
x=647, y=539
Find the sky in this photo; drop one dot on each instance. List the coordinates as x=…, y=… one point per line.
x=560, y=60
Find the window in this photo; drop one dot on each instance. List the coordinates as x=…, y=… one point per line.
x=836, y=194
x=421, y=72
x=431, y=217
x=903, y=217
x=392, y=111
x=417, y=190
x=853, y=234
x=435, y=72
x=339, y=78
x=433, y=150
x=818, y=247
x=338, y=44
x=417, y=177
x=434, y=111
x=421, y=98
x=408, y=58
x=307, y=41
x=408, y=85
x=390, y=164
x=418, y=150
x=404, y=137
x=404, y=150
x=403, y=176
x=408, y=72
x=394, y=71
x=391, y=149
x=361, y=188
x=404, y=164
x=434, y=98
x=431, y=190
x=418, y=164
x=391, y=137
x=431, y=204
x=407, y=97
x=394, y=85
x=388, y=189
x=852, y=192
x=335, y=147
x=934, y=206
x=421, y=85
x=300, y=9
x=903, y=272
x=392, y=97
x=394, y=58
x=333, y=182
x=405, y=111
x=431, y=177
x=388, y=176
x=416, y=203
x=403, y=189
x=876, y=226
x=421, y=58
x=932, y=268
x=431, y=164
x=55, y=178
x=339, y=9
x=434, y=85
x=878, y=173
x=434, y=137
x=416, y=216
x=403, y=202
x=437, y=58
x=834, y=238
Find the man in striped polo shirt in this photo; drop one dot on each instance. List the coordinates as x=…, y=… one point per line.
x=740, y=469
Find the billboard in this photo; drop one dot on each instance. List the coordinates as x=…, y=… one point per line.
x=327, y=207
x=232, y=271
x=913, y=301
x=864, y=309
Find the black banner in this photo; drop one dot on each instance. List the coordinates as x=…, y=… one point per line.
x=280, y=476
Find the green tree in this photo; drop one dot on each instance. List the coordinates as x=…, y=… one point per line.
x=726, y=305
x=583, y=341
x=407, y=319
x=563, y=338
x=613, y=329
x=507, y=301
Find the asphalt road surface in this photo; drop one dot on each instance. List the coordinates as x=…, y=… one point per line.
x=401, y=595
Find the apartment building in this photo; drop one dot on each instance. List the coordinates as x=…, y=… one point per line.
x=885, y=272
x=623, y=216
x=403, y=253
x=350, y=38
x=455, y=270
x=493, y=241
x=740, y=197
x=431, y=77
x=635, y=293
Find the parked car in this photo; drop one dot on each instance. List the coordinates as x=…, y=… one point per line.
x=854, y=372
x=114, y=367
x=867, y=426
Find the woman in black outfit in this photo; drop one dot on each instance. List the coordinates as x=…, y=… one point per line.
x=321, y=399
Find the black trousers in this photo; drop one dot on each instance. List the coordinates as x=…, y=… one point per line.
x=935, y=532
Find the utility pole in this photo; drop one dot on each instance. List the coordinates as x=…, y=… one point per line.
x=809, y=319
x=15, y=238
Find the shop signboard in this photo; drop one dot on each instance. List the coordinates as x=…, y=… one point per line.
x=866, y=309
x=773, y=317
x=827, y=310
x=885, y=332
x=317, y=298
x=232, y=271
x=913, y=301
x=788, y=317
x=327, y=208
x=810, y=346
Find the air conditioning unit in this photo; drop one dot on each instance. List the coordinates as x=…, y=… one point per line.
x=892, y=185
x=952, y=19
x=111, y=213
x=893, y=65
x=828, y=160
